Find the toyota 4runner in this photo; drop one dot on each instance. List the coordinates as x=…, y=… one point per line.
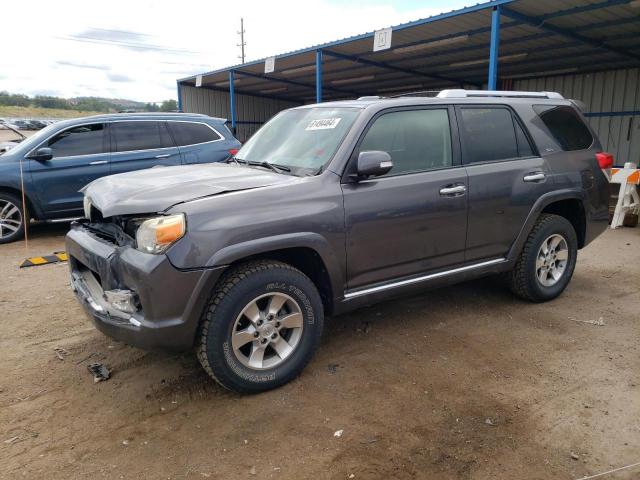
x=333, y=206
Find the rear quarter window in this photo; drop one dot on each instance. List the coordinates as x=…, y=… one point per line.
x=565, y=126
x=188, y=133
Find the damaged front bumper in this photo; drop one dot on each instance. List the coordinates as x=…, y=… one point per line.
x=135, y=297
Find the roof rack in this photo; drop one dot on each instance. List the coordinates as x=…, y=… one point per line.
x=459, y=93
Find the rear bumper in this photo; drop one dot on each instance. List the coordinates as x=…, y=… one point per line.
x=170, y=301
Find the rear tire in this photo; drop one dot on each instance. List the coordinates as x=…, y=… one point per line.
x=12, y=218
x=261, y=326
x=545, y=265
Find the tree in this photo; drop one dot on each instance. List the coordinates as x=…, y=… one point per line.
x=169, y=106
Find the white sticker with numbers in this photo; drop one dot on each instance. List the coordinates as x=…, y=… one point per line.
x=323, y=124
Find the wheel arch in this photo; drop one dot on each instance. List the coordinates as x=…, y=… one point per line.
x=308, y=252
x=31, y=209
x=566, y=203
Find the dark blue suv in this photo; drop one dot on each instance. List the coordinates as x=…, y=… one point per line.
x=57, y=162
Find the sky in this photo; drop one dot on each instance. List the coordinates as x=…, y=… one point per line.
x=137, y=49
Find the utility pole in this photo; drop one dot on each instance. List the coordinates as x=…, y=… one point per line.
x=242, y=42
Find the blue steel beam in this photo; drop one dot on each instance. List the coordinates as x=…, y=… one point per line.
x=318, y=76
x=232, y=101
x=179, y=97
x=494, y=46
x=540, y=23
x=387, y=66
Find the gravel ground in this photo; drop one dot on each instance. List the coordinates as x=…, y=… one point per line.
x=465, y=382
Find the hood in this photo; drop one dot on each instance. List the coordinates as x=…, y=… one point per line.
x=6, y=146
x=156, y=189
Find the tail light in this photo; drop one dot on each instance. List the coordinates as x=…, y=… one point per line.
x=605, y=160
x=233, y=151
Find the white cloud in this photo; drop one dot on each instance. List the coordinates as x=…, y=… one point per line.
x=137, y=49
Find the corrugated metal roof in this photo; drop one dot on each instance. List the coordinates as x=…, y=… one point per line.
x=538, y=37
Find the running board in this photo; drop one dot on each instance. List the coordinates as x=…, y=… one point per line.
x=423, y=278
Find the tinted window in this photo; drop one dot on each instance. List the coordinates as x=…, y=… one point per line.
x=82, y=140
x=566, y=126
x=130, y=136
x=417, y=140
x=489, y=134
x=186, y=133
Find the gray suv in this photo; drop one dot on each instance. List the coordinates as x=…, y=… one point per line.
x=333, y=206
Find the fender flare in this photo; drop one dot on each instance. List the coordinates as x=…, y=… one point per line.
x=310, y=240
x=534, y=213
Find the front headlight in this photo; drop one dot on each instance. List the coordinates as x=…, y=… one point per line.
x=156, y=234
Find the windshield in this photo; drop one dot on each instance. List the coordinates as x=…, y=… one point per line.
x=303, y=140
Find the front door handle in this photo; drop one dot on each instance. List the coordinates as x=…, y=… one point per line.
x=535, y=177
x=165, y=155
x=453, y=190
x=99, y=162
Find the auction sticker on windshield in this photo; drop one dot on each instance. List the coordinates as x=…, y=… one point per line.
x=323, y=124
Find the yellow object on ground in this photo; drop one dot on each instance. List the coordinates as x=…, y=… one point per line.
x=57, y=257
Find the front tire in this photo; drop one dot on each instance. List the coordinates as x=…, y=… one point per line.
x=261, y=327
x=12, y=218
x=545, y=265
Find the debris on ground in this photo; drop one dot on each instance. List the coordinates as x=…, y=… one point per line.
x=60, y=353
x=252, y=471
x=332, y=368
x=99, y=371
x=575, y=456
x=489, y=421
x=338, y=433
x=369, y=441
x=12, y=440
x=599, y=322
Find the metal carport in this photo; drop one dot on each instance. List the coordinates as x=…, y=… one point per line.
x=502, y=44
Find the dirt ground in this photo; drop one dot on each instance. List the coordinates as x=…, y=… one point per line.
x=460, y=383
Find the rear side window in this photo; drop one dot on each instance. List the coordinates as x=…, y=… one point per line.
x=188, y=133
x=81, y=140
x=566, y=126
x=417, y=140
x=143, y=135
x=492, y=134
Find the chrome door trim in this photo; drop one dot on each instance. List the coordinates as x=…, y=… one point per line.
x=423, y=278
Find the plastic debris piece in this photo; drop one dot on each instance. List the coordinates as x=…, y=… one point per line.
x=99, y=371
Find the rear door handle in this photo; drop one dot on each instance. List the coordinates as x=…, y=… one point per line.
x=165, y=155
x=535, y=177
x=453, y=190
x=99, y=162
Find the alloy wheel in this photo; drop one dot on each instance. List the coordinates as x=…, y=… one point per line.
x=10, y=218
x=551, y=261
x=267, y=331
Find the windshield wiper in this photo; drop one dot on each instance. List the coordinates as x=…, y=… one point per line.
x=273, y=166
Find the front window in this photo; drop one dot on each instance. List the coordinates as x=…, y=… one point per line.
x=303, y=140
x=80, y=140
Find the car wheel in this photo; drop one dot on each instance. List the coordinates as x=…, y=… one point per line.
x=261, y=326
x=546, y=263
x=11, y=218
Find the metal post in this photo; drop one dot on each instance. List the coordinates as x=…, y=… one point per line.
x=179, y=97
x=232, y=97
x=318, y=76
x=492, y=81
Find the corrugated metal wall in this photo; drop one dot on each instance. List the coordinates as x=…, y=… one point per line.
x=251, y=111
x=612, y=102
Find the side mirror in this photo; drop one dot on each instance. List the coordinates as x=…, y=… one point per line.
x=373, y=164
x=42, y=154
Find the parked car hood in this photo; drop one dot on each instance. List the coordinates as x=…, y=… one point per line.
x=159, y=188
